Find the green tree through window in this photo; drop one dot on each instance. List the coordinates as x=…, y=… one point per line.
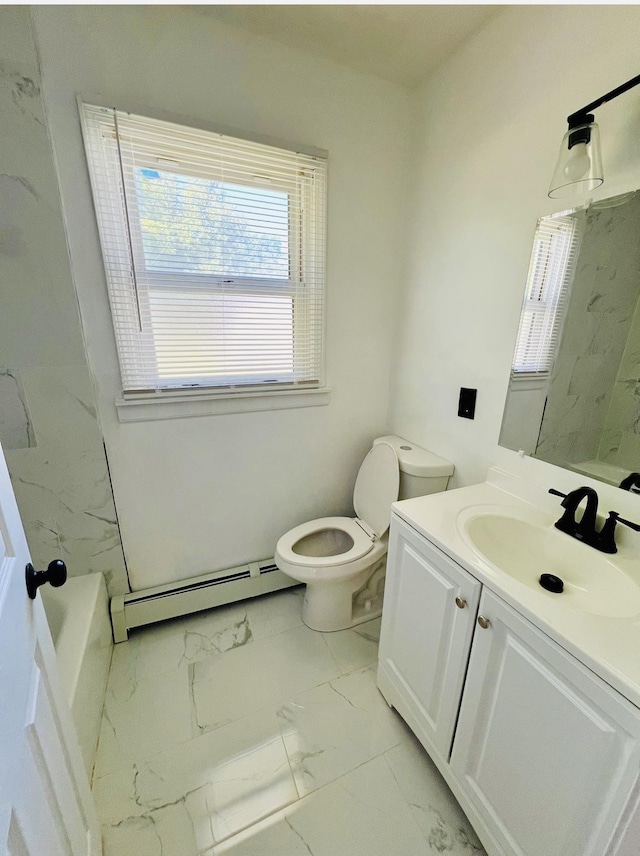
x=193, y=225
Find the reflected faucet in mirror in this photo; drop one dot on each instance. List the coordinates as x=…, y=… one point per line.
x=574, y=388
x=631, y=482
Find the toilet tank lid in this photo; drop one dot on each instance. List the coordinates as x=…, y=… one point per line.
x=416, y=461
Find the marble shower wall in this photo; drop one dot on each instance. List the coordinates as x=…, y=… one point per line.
x=601, y=308
x=620, y=443
x=48, y=424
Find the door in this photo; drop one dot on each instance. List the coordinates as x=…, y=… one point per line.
x=546, y=753
x=427, y=625
x=45, y=803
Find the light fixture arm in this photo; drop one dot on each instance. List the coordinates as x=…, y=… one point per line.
x=583, y=117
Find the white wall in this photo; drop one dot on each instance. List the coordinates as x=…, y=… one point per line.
x=524, y=408
x=487, y=129
x=210, y=492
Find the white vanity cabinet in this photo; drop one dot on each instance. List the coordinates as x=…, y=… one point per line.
x=427, y=623
x=542, y=754
x=545, y=751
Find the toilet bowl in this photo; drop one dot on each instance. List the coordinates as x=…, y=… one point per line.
x=342, y=559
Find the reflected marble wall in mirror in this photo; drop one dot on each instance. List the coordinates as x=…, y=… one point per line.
x=574, y=390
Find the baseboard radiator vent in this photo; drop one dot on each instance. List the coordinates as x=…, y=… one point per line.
x=194, y=594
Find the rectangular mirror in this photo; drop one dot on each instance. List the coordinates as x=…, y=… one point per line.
x=574, y=390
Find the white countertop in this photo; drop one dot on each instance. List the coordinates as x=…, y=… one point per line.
x=609, y=646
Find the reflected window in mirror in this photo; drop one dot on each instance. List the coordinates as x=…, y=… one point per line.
x=555, y=249
x=574, y=391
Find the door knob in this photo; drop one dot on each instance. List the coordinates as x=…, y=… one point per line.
x=483, y=622
x=461, y=602
x=56, y=574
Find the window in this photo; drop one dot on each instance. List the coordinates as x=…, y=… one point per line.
x=214, y=249
x=551, y=270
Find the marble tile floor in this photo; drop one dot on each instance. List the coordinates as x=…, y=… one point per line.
x=239, y=731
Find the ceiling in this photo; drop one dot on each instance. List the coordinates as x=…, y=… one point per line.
x=401, y=43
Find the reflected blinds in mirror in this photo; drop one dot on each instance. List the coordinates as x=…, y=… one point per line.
x=551, y=270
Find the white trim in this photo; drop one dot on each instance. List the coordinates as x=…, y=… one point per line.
x=184, y=597
x=201, y=125
x=529, y=380
x=179, y=405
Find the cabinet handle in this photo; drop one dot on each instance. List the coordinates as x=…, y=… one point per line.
x=461, y=602
x=483, y=622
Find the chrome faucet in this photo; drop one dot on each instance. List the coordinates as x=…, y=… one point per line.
x=585, y=528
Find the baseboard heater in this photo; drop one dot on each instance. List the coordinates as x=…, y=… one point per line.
x=195, y=594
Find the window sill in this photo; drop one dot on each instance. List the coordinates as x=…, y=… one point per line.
x=529, y=380
x=181, y=405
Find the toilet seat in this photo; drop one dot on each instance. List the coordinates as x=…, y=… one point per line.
x=362, y=542
x=342, y=560
x=377, y=487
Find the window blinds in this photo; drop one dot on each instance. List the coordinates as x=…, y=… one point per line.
x=551, y=271
x=214, y=250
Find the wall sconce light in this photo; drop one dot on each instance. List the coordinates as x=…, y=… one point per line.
x=579, y=165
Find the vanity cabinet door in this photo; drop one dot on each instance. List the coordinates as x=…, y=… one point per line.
x=425, y=637
x=546, y=753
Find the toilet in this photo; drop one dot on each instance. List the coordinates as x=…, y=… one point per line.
x=342, y=560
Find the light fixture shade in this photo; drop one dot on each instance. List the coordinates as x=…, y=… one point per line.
x=579, y=166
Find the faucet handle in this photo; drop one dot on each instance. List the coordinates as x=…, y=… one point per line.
x=629, y=523
x=557, y=492
x=563, y=496
x=606, y=541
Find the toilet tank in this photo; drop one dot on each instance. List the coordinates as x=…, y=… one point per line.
x=421, y=472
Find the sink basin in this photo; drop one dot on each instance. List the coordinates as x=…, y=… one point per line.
x=526, y=544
